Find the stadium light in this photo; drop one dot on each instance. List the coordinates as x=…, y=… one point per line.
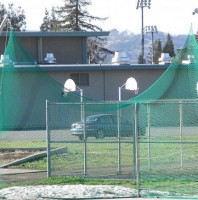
x=143, y=4
x=70, y=86
x=152, y=30
x=130, y=84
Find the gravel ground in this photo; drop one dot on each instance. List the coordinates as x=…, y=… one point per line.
x=65, y=192
x=70, y=192
x=81, y=192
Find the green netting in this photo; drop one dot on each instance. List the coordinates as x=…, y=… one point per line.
x=178, y=82
x=167, y=114
x=18, y=55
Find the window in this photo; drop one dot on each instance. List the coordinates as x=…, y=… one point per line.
x=80, y=79
x=107, y=119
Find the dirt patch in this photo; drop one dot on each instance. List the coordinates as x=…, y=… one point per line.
x=14, y=155
x=24, y=178
x=7, y=156
x=10, y=156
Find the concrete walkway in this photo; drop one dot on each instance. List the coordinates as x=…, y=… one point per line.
x=5, y=171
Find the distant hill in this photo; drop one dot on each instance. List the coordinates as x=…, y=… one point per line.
x=131, y=43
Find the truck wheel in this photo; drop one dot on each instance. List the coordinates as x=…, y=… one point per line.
x=100, y=134
x=81, y=137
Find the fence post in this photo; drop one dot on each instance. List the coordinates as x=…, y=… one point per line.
x=85, y=138
x=137, y=151
x=181, y=131
x=149, y=133
x=119, y=145
x=48, y=141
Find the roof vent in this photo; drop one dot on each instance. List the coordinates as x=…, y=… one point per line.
x=120, y=58
x=165, y=58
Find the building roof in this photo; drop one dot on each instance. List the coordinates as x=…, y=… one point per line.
x=58, y=33
x=88, y=67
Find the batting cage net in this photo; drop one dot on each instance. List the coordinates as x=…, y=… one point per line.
x=151, y=138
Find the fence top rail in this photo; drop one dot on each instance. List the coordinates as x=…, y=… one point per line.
x=83, y=103
x=180, y=101
x=172, y=101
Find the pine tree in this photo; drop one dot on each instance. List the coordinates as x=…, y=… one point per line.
x=157, y=51
x=169, y=47
x=46, y=25
x=53, y=21
x=73, y=16
x=140, y=58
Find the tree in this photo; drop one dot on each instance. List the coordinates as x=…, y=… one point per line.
x=140, y=59
x=169, y=47
x=46, y=25
x=16, y=17
x=98, y=52
x=49, y=22
x=157, y=50
x=73, y=16
x=54, y=20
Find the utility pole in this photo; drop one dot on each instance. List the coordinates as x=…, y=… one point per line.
x=143, y=4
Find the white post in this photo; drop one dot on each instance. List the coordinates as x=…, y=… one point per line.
x=119, y=94
x=119, y=145
x=81, y=101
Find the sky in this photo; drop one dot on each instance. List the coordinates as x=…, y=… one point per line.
x=170, y=16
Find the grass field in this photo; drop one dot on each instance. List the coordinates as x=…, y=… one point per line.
x=166, y=164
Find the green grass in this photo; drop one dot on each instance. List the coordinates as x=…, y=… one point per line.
x=72, y=180
x=165, y=173
x=3, y=185
x=34, y=144
x=176, y=187
x=103, y=155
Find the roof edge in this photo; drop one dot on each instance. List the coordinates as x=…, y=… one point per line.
x=58, y=33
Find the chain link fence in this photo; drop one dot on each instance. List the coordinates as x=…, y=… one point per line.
x=95, y=144
x=159, y=153
x=168, y=152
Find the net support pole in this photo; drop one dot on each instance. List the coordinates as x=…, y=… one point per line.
x=81, y=106
x=149, y=134
x=85, y=138
x=137, y=167
x=48, y=141
x=119, y=145
x=181, y=131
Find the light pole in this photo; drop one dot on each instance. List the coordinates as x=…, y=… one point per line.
x=130, y=84
x=152, y=30
x=143, y=4
x=70, y=86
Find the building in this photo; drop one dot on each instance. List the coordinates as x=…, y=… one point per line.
x=67, y=47
x=99, y=81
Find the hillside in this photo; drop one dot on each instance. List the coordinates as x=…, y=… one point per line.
x=131, y=43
